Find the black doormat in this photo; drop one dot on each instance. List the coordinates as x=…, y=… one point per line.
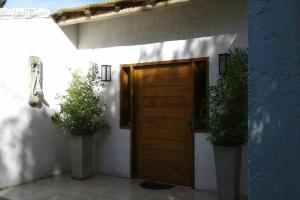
x=155, y=186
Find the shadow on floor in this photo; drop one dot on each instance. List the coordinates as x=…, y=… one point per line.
x=99, y=187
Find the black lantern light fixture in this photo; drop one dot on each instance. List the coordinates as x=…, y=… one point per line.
x=106, y=73
x=223, y=62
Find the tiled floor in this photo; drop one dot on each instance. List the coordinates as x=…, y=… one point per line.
x=98, y=188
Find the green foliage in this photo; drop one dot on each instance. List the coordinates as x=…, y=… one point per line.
x=82, y=109
x=2, y=3
x=228, y=103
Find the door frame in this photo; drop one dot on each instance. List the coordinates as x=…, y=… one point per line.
x=133, y=67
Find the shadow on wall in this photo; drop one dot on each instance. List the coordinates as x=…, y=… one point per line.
x=190, y=48
x=269, y=131
x=274, y=93
x=192, y=20
x=32, y=147
x=113, y=144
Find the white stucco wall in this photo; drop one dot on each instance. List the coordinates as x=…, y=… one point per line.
x=31, y=146
x=198, y=29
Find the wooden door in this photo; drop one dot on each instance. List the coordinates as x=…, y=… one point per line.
x=163, y=104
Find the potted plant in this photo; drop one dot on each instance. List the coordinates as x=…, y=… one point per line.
x=81, y=115
x=228, y=123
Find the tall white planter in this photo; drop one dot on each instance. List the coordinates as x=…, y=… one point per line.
x=81, y=156
x=228, y=168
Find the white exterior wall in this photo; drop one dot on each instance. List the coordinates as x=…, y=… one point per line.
x=198, y=29
x=31, y=146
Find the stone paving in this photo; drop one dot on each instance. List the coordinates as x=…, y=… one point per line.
x=100, y=187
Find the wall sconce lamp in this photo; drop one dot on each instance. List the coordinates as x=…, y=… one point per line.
x=106, y=73
x=223, y=62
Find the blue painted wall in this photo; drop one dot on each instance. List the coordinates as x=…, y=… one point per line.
x=274, y=99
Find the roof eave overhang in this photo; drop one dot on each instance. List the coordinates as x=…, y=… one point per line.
x=75, y=18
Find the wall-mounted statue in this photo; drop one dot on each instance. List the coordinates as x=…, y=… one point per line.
x=36, y=97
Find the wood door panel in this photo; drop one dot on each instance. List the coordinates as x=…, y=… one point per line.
x=178, y=113
x=164, y=123
x=164, y=145
x=164, y=70
x=163, y=80
x=164, y=134
x=164, y=91
x=161, y=155
x=174, y=115
x=163, y=104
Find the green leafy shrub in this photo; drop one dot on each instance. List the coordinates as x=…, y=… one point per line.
x=228, y=103
x=82, y=109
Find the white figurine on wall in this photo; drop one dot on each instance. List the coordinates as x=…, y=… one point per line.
x=36, y=84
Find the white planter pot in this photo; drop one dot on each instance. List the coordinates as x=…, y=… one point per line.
x=81, y=156
x=228, y=167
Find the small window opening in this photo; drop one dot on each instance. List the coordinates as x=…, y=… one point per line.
x=201, y=96
x=125, y=97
